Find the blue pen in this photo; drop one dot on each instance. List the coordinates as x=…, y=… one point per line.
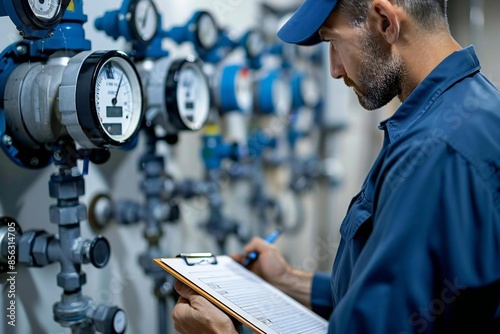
x=252, y=256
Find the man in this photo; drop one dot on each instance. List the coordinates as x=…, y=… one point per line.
x=420, y=248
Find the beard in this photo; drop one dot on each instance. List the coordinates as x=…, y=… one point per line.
x=380, y=75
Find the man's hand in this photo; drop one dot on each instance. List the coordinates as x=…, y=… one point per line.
x=195, y=314
x=272, y=267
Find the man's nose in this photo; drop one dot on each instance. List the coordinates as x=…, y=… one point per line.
x=337, y=70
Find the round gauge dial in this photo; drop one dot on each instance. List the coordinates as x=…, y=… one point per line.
x=273, y=95
x=45, y=10
x=235, y=90
x=187, y=95
x=306, y=90
x=40, y=14
x=115, y=99
x=206, y=30
x=144, y=21
x=254, y=44
x=119, y=322
x=310, y=91
x=108, y=104
x=282, y=97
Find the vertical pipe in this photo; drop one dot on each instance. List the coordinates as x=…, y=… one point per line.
x=162, y=316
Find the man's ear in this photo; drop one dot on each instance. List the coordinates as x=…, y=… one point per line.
x=383, y=19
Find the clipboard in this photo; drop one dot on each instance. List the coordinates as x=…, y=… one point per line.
x=242, y=294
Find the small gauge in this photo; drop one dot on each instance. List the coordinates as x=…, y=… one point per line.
x=178, y=95
x=187, y=95
x=40, y=14
x=235, y=90
x=206, y=30
x=282, y=97
x=274, y=95
x=306, y=90
x=254, y=44
x=101, y=99
x=311, y=92
x=143, y=20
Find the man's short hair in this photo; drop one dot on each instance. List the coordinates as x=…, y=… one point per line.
x=429, y=14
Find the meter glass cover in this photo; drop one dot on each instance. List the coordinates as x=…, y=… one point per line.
x=145, y=20
x=118, y=99
x=207, y=31
x=193, y=96
x=45, y=10
x=255, y=44
x=282, y=97
x=310, y=91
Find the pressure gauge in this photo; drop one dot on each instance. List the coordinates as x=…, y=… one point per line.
x=40, y=14
x=100, y=99
x=178, y=95
x=206, y=30
x=311, y=92
x=187, y=95
x=235, y=89
x=306, y=90
x=282, y=96
x=143, y=20
x=274, y=95
x=254, y=43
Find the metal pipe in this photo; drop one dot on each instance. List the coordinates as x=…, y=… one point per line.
x=162, y=316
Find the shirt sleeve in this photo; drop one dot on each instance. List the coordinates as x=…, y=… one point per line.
x=433, y=252
x=321, y=294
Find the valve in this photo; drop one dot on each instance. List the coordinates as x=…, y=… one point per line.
x=100, y=212
x=109, y=319
x=97, y=252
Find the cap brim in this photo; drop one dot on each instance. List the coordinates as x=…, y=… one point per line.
x=302, y=28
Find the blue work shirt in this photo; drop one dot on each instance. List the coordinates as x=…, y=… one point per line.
x=420, y=248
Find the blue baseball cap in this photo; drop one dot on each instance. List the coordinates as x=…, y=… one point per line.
x=302, y=28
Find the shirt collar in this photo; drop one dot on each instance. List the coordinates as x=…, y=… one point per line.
x=455, y=67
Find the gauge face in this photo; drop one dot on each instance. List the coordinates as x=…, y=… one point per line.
x=40, y=14
x=206, y=31
x=100, y=99
x=310, y=91
x=145, y=20
x=243, y=89
x=119, y=322
x=254, y=44
x=193, y=96
x=282, y=97
x=45, y=10
x=118, y=99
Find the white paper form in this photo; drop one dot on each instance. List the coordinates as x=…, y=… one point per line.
x=261, y=304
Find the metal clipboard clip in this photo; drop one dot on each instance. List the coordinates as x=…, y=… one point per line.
x=193, y=259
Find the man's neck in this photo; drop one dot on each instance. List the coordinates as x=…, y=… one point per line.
x=423, y=55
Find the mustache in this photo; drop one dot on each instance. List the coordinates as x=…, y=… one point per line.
x=348, y=82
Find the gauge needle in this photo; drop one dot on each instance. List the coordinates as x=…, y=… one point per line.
x=145, y=17
x=114, y=100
